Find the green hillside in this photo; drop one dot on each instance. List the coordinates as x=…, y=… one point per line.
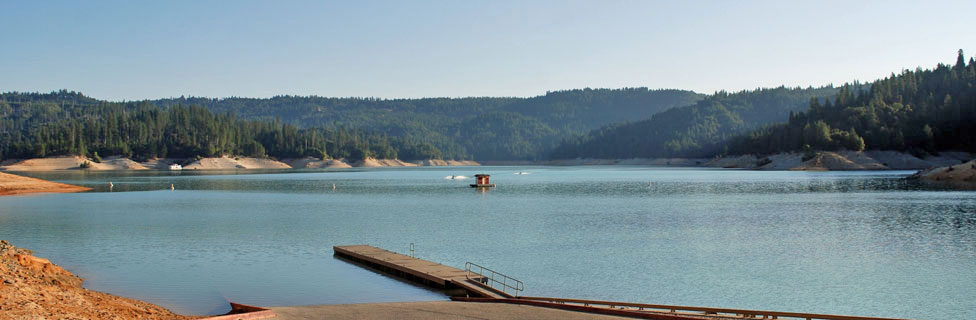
x=919, y=111
x=697, y=130
x=63, y=122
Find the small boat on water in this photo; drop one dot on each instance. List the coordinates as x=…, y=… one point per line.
x=175, y=166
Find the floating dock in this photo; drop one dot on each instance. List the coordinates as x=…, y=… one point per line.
x=432, y=273
x=482, y=285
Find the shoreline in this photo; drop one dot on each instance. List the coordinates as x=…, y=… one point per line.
x=35, y=288
x=213, y=163
x=794, y=161
x=841, y=161
x=960, y=175
x=11, y=184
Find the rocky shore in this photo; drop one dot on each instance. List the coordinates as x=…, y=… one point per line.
x=34, y=288
x=841, y=160
x=964, y=173
x=817, y=161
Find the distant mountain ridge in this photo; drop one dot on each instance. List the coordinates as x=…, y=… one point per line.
x=482, y=128
x=697, y=130
x=920, y=111
x=917, y=111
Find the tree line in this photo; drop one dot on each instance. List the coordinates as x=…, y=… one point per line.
x=67, y=123
x=701, y=129
x=483, y=128
x=917, y=111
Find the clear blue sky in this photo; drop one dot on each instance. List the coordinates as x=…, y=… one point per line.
x=151, y=49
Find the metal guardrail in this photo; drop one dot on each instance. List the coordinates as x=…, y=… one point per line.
x=489, y=279
x=701, y=311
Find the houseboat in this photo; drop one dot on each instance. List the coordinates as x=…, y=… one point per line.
x=482, y=181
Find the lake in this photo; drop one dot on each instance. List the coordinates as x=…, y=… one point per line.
x=860, y=243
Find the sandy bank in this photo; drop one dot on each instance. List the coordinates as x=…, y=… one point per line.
x=70, y=163
x=653, y=162
x=316, y=163
x=13, y=184
x=229, y=163
x=35, y=288
x=821, y=161
x=213, y=163
x=446, y=163
x=960, y=173
x=842, y=160
x=372, y=163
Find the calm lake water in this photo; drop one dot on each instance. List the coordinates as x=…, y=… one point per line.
x=862, y=243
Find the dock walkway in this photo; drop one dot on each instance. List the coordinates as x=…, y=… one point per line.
x=475, y=281
x=427, y=271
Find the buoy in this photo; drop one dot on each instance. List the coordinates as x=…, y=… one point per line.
x=171, y=187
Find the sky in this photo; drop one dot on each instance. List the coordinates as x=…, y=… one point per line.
x=132, y=50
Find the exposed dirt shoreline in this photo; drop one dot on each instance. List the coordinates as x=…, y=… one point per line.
x=35, y=288
x=13, y=184
x=819, y=161
x=216, y=163
x=842, y=160
x=963, y=175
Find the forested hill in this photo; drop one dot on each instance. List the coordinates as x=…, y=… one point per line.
x=698, y=130
x=68, y=123
x=481, y=128
x=64, y=122
x=578, y=109
x=920, y=111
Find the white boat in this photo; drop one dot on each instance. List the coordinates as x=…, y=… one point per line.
x=175, y=166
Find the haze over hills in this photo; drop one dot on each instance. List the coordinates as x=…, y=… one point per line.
x=698, y=130
x=287, y=126
x=463, y=128
x=921, y=111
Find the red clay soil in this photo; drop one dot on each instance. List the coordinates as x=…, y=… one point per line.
x=13, y=184
x=35, y=288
